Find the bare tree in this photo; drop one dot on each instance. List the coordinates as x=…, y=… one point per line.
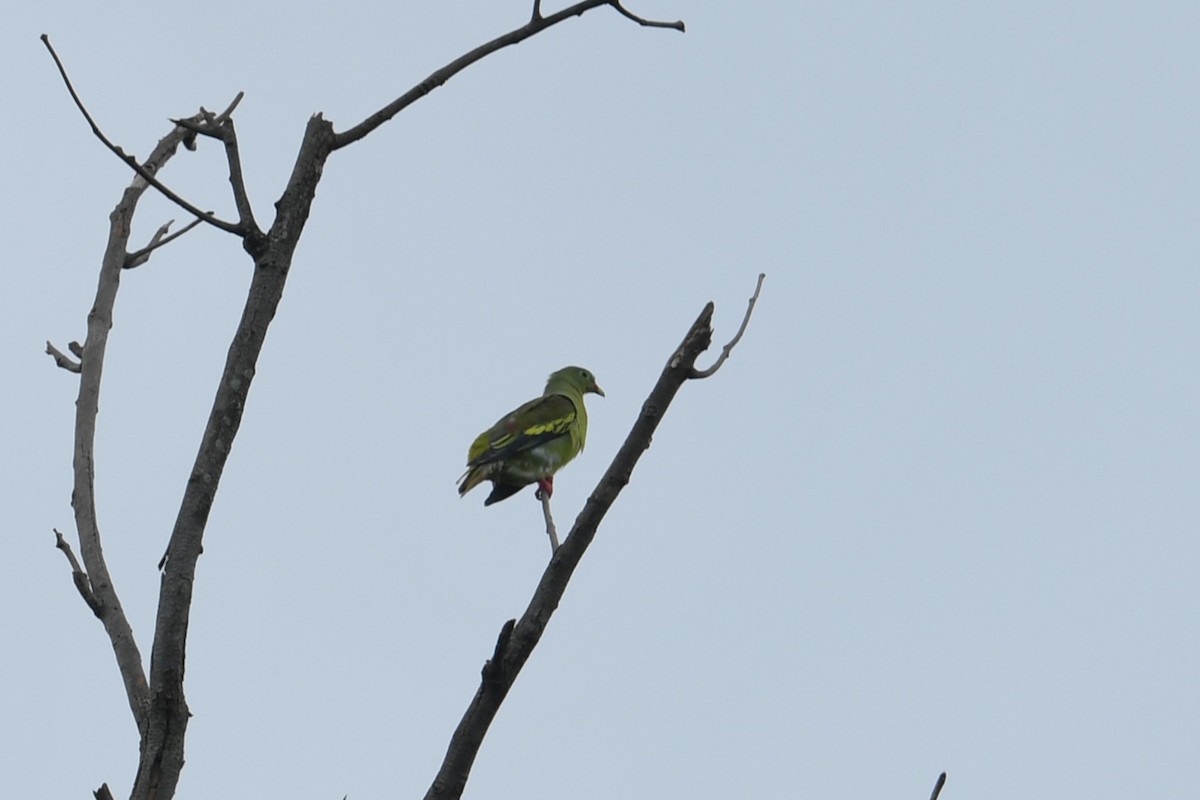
x=157, y=699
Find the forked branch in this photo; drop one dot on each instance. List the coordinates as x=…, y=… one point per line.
x=220, y=127
x=62, y=359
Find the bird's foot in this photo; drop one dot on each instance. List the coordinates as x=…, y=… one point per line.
x=545, y=487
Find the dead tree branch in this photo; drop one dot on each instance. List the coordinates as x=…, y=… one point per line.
x=162, y=747
x=145, y=171
x=737, y=337
x=104, y=601
x=537, y=23
x=937, y=787
x=517, y=642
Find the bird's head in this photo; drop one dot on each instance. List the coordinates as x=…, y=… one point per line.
x=575, y=378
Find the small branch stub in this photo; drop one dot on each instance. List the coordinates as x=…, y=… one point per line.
x=494, y=665
x=82, y=583
x=62, y=359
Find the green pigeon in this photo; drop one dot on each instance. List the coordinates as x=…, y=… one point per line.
x=531, y=443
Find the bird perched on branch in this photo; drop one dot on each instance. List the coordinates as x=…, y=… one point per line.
x=531, y=443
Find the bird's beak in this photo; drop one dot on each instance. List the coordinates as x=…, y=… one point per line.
x=596, y=388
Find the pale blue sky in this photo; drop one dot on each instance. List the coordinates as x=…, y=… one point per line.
x=938, y=511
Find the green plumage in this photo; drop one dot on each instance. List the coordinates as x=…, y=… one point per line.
x=531, y=443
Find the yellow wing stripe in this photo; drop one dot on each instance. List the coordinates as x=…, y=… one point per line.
x=555, y=426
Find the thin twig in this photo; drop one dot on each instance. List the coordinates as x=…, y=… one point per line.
x=700, y=374
x=649, y=23
x=537, y=11
x=551, y=531
x=145, y=173
x=160, y=238
x=82, y=583
x=937, y=787
x=62, y=359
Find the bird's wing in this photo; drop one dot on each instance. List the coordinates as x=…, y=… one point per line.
x=533, y=424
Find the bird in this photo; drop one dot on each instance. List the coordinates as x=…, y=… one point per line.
x=533, y=441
